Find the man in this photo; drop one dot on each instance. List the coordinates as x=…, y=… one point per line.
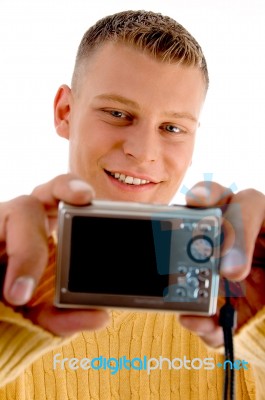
x=131, y=117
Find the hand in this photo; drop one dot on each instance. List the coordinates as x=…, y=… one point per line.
x=243, y=254
x=25, y=225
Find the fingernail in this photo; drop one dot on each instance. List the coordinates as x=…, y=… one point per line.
x=22, y=290
x=77, y=185
x=199, y=191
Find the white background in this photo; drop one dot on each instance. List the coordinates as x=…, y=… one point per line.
x=38, y=43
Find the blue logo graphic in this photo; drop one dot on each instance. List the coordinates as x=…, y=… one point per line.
x=237, y=364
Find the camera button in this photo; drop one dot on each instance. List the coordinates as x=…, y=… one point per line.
x=205, y=228
x=180, y=292
x=203, y=293
x=204, y=272
x=182, y=269
x=206, y=283
x=193, y=281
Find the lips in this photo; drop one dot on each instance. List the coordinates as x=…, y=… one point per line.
x=130, y=180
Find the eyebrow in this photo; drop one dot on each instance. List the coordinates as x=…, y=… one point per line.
x=119, y=99
x=184, y=115
x=124, y=100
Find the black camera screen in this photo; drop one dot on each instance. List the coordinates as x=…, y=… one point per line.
x=121, y=256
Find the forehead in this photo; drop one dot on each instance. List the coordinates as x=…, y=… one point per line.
x=124, y=70
x=123, y=53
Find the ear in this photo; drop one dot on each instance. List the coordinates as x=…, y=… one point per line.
x=62, y=108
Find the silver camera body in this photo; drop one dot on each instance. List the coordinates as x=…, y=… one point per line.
x=114, y=254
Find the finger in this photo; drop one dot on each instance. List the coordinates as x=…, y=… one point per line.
x=66, y=322
x=207, y=328
x=242, y=221
x=245, y=215
x=208, y=193
x=66, y=187
x=23, y=228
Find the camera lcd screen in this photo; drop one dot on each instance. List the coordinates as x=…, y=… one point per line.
x=119, y=255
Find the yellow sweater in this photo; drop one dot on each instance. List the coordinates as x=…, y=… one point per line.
x=31, y=365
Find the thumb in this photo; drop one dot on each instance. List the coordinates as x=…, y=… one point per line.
x=208, y=193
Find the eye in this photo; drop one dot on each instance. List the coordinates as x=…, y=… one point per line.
x=173, y=129
x=117, y=114
x=116, y=117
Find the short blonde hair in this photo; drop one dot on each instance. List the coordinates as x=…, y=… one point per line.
x=158, y=35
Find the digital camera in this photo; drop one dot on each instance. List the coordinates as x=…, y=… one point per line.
x=114, y=254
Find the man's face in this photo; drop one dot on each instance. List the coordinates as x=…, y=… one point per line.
x=131, y=124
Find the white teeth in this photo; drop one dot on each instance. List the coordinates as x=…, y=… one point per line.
x=137, y=181
x=129, y=179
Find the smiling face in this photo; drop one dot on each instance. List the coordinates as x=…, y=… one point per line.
x=131, y=123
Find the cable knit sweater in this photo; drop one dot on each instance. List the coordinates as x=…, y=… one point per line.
x=32, y=366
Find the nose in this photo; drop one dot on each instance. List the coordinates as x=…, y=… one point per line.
x=142, y=143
